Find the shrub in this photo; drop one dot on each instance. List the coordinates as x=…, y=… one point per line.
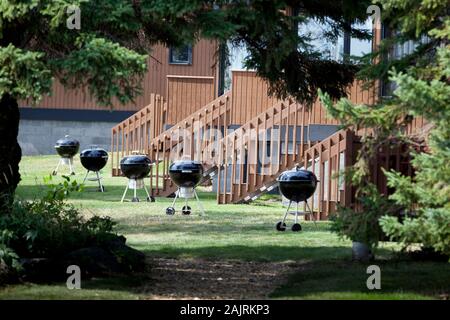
x=431, y=229
x=7, y=255
x=362, y=225
x=49, y=227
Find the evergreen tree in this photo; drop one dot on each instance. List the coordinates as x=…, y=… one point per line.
x=422, y=90
x=107, y=55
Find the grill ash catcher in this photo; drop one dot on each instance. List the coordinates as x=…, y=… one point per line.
x=136, y=168
x=297, y=186
x=186, y=174
x=67, y=148
x=93, y=160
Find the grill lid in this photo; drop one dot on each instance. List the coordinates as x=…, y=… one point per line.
x=186, y=166
x=94, y=158
x=297, y=175
x=67, y=147
x=186, y=173
x=135, y=166
x=67, y=141
x=298, y=184
x=94, y=152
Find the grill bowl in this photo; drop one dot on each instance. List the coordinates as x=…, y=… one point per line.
x=67, y=147
x=135, y=166
x=94, y=159
x=186, y=173
x=297, y=185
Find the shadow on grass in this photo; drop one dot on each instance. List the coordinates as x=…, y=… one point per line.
x=130, y=283
x=327, y=279
x=214, y=227
x=258, y=252
x=400, y=279
x=113, y=193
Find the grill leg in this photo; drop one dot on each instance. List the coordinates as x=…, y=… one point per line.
x=312, y=214
x=202, y=211
x=175, y=199
x=57, y=167
x=124, y=193
x=296, y=214
x=287, y=212
x=72, y=172
x=135, y=198
x=146, y=191
x=85, y=177
x=100, y=185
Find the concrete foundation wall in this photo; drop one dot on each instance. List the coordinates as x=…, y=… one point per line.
x=38, y=137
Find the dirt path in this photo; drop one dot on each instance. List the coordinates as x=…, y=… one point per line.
x=223, y=279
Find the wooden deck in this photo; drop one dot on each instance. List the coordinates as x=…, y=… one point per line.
x=246, y=138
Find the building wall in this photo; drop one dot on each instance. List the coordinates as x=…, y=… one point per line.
x=38, y=137
x=250, y=97
x=187, y=94
x=74, y=113
x=155, y=81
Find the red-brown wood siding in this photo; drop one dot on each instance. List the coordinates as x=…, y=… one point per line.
x=186, y=95
x=155, y=81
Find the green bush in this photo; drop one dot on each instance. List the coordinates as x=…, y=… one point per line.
x=431, y=229
x=362, y=225
x=7, y=255
x=426, y=196
x=49, y=227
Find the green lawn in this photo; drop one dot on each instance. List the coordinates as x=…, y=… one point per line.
x=243, y=233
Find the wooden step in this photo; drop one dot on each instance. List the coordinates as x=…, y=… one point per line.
x=213, y=115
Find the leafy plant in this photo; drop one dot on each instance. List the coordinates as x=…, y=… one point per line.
x=7, y=255
x=60, y=191
x=422, y=90
x=50, y=227
x=362, y=226
x=426, y=198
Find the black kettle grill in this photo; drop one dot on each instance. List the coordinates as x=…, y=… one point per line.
x=297, y=186
x=186, y=174
x=67, y=148
x=94, y=159
x=136, y=168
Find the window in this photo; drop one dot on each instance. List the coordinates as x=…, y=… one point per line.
x=342, y=46
x=180, y=55
x=361, y=47
x=398, y=51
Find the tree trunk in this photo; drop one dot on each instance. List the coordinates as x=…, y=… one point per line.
x=10, y=152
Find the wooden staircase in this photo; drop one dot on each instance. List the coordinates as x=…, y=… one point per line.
x=133, y=135
x=252, y=157
x=245, y=161
x=194, y=138
x=326, y=158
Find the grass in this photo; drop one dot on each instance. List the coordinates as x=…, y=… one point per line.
x=123, y=288
x=400, y=279
x=240, y=232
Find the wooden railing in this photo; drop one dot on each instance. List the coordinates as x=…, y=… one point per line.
x=326, y=159
x=252, y=157
x=192, y=138
x=133, y=135
x=332, y=155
